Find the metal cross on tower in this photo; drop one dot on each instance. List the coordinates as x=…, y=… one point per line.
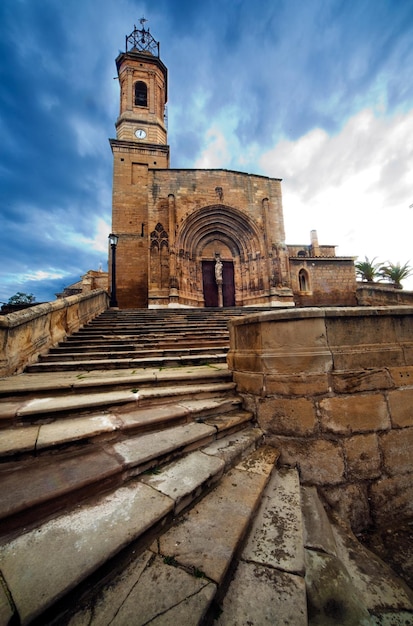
x=142, y=40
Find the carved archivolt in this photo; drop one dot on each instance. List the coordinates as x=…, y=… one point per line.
x=239, y=234
x=235, y=229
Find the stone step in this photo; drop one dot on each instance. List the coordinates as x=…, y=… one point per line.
x=126, y=344
x=41, y=484
x=268, y=586
x=159, y=324
x=144, y=327
x=41, y=408
x=120, y=363
x=148, y=337
x=57, y=355
x=42, y=384
x=181, y=577
x=23, y=438
x=44, y=567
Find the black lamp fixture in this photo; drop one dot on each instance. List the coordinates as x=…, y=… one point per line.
x=113, y=240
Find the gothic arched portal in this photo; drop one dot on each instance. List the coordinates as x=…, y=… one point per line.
x=222, y=231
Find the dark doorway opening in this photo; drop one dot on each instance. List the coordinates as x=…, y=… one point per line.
x=211, y=287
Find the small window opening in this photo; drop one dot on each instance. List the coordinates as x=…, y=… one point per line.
x=303, y=280
x=141, y=94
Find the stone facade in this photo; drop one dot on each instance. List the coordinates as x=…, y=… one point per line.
x=176, y=227
x=319, y=278
x=333, y=390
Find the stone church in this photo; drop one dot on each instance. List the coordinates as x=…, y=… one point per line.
x=201, y=238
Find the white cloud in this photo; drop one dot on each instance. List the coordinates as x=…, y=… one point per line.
x=216, y=153
x=89, y=136
x=99, y=241
x=41, y=275
x=354, y=188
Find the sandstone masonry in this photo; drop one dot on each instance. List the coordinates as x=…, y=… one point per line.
x=333, y=390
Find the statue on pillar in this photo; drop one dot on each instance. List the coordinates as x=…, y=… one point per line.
x=218, y=278
x=218, y=269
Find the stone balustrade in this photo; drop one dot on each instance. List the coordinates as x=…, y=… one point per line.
x=26, y=334
x=333, y=390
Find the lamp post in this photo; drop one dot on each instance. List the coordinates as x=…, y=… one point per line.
x=113, y=240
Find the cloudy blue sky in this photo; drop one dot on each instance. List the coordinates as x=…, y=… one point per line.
x=316, y=92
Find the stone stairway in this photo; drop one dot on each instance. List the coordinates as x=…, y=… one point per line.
x=145, y=494
x=124, y=339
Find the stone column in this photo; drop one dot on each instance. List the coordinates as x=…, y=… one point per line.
x=173, y=281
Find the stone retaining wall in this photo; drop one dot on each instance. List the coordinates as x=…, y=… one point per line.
x=382, y=294
x=30, y=332
x=333, y=390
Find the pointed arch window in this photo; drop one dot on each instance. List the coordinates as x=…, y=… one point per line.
x=141, y=94
x=303, y=280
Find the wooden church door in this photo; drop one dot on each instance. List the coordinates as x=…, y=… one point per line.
x=211, y=288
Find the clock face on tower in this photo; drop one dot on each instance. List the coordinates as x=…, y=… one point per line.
x=140, y=133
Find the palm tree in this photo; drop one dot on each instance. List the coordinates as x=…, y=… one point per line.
x=395, y=273
x=368, y=270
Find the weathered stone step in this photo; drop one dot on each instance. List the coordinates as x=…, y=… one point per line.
x=148, y=335
x=41, y=407
x=44, y=564
x=159, y=321
x=105, y=425
x=56, y=355
x=268, y=586
x=150, y=329
x=88, y=365
x=40, y=485
x=126, y=344
x=45, y=383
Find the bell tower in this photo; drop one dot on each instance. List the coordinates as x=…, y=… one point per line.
x=140, y=145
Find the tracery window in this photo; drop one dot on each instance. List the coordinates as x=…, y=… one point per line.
x=160, y=256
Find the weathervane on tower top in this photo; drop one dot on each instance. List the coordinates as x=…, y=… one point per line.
x=141, y=40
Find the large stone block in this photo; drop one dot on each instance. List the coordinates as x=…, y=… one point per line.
x=351, y=502
x=397, y=448
x=292, y=416
x=357, y=327
x=295, y=345
x=366, y=356
x=354, y=414
x=247, y=337
x=361, y=338
x=401, y=376
x=361, y=380
x=246, y=361
x=301, y=332
x=363, y=457
x=296, y=385
x=247, y=382
x=320, y=462
x=401, y=407
x=391, y=499
x=402, y=321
